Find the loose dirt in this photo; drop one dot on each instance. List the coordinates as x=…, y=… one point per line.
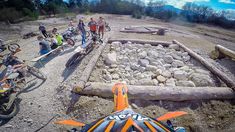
x=51, y=99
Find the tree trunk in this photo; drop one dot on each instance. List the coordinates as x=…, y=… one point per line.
x=140, y=41
x=161, y=93
x=90, y=66
x=225, y=51
x=228, y=81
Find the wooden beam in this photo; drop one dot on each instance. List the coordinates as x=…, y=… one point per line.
x=89, y=68
x=140, y=41
x=225, y=51
x=227, y=80
x=161, y=93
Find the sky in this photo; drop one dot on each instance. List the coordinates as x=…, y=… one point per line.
x=215, y=4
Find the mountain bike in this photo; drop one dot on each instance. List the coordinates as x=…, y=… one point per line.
x=11, y=47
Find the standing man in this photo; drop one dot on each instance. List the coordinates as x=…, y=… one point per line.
x=42, y=28
x=101, y=24
x=93, y=26
x=81, y=27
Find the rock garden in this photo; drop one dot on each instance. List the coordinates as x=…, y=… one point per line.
x=144, y=64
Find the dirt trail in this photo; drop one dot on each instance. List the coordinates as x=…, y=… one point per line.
x=41, y=104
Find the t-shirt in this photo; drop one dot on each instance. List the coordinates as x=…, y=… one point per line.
x=45, y=45
x=81, y=28
x=101, y=23
x=92, y=25
x=59, y=39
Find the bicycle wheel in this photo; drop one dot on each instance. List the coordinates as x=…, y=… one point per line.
x=37, y=73
x=70, y=41
x=88, y=34
x=12, y=47
x=11, y=112
x=108, y=28
x=73, y=59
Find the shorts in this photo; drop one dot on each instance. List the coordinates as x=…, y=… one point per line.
x=42, y=52
x=101, y=28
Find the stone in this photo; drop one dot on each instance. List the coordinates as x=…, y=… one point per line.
x=115, y=76
x=153, y=54
x=155, y=82
x=116, y=43
x=201, y=80
x=167, y=66
x=177, y=63
x=108, y=77
x=141, y=69
x=161, y=85
x=180, y=75
x=147, y=45
x=143, y=62
x=8, y=126
x=151, y=68
x=113, y=66
x=166, y=73
x=186, y=58
x=177, y=57
x=170, y=82
x=111, y=58
x=161, y=79
x=158, y=72
x=202, y=71
x=142, y=54
x=132, y=82
x=184, y=68
x=156, y=63
x=135, y=66
x=174, y=46
x=146, y=82
x=168, y=59
x=185, y=83
x=128, y=68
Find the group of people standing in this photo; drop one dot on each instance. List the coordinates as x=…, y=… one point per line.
x=93, y=25
x=53, y=40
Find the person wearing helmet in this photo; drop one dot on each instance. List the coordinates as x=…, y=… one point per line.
x=42, y=29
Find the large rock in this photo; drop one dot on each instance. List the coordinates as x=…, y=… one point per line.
x=201, y=80
x=142, y=54
x=168, y=59
x=174, y=46
x=180, y=75
x=115, y=76
x=176, y=56
x=135, y=66
x=153, y=54
x=111, y=58
x=185, y=83
x=151, y=68
x=177, y=63
x=170, y=82
x=108, y=77
x=143, y=62
x=146, y=82
x=161, y=79
x=166, y=73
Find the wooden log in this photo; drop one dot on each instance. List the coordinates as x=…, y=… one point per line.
x=137, y=31
x=228, y=81
x=161, y=93
x=140, y=41
x=90, y=66
x=225, y=51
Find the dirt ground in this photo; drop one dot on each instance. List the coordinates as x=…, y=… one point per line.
x=47, y=102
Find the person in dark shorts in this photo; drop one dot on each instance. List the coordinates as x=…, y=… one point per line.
x=93, y=26
x=42, y=28
x=44, y=45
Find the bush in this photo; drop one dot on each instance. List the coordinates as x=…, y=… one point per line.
x=137, y=15
x=10, y=15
